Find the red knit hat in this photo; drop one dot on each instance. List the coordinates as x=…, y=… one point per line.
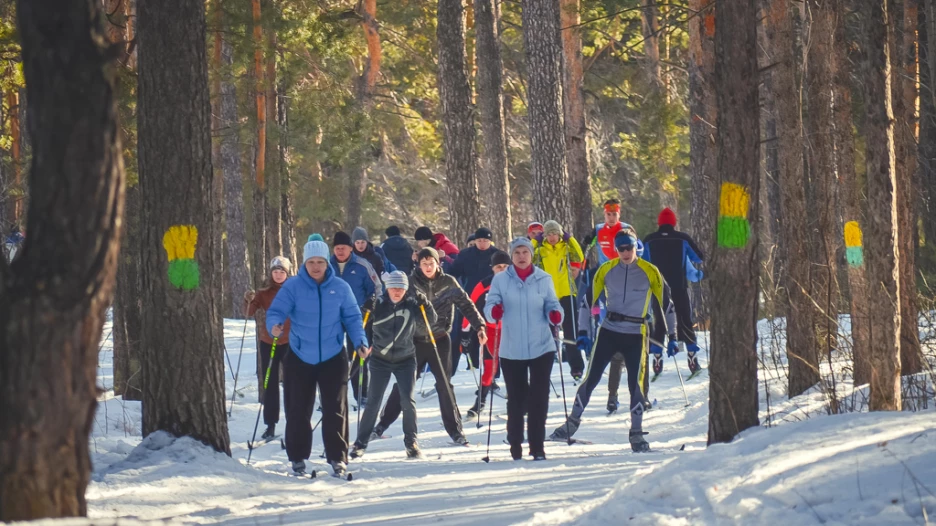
x=667, y=217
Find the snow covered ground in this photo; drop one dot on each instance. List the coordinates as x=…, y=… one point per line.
x=867, y=469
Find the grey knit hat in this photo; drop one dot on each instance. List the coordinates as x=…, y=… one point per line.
x=359, y=234
x=520, y=242
x=395, y=280
x=552, y=227
x=281, y=263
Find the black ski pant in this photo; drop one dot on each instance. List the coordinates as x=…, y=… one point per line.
x=271, y=395
x=685, y=332
x=474, y=347
x=633, y=347
x=570, y=352
x=380, y=372
x=528, y=391
x=301, y=379
x=440, y=365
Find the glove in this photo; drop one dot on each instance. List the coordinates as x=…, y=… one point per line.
x=583, y=342
x=566, y=236
x=498, y=311
x=555, y=317
x=465, y=341
x=539, y=238
x=656, y=349
x=673, y=348
x=362, y=352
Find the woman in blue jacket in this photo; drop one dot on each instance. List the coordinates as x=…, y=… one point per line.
x=524, y=300
x=320, y=308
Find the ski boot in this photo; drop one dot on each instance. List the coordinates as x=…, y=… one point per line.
x=538, y=455
x=339, y=469
x=357, y=451
x=647, y=405
x=377, y=433
x=577, y=376
x=565, y=431
x=516, y=452
x=461, y=440
x=413, y=452
x=298, y=467
x=637, y=442
x=613, y=403
x=269, y=433
x=693, y=362
x=657, y=364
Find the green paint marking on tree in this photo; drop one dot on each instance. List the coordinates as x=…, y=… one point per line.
x=855, y=256
x=183, y=274
x=733, y=232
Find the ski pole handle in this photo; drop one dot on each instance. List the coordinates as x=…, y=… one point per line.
x=266, y=379
x=354, y=354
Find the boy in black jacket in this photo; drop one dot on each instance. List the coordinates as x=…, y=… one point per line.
x=396, y=316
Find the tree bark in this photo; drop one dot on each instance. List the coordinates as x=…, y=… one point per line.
x=458, y=120
x=734, y=269
x=367, y=83
x=128, y=309
x=288, y=216
x=573, y=103
x=541, y=39
x=882, y=254
x=904, y=92
x=853, y=217
x=260, y=246
x=274, y=202
x=491, y=107
x=927, y=142
x=181, y=350
x=58, y=289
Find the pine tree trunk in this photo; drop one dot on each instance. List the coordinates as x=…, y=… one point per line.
x=238, y=268
x=56, y=292
x=573, y=103
x=853, y=217
x=544, y=104
x=260, y=245
x=882, y=254
x=491, y=107
x=128, y=309
x=356, y=172
x=821, y=160
x=274, y=202
x=734, y=270
x=703, y=156
x=288, y=216
x=927, y=143
x=181, y=350
x=904, y=92
x=458, y=120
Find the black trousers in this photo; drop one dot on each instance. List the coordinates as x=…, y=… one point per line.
x=570, y=352
x=633, y=347
x=271, y=395
x=440, y=367
x=528, y=391
x=301, y=379
x=684, y=322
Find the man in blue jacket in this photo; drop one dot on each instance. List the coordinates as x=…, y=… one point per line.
x=320, y=308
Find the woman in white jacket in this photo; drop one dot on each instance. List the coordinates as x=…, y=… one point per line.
x=523, y=299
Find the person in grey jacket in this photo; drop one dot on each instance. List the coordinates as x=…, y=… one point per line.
x=396, y=316
x=524, y=300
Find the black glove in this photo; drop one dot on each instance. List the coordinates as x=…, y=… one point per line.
x=465, y=341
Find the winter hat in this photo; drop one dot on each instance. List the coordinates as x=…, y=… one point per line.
x=533, y=225
x=359, y=234
x=552, y=227
x=317, y=237
x=500, y=258
x=471, y=237
x=395, y=280
x=423, y=233
x=393, y=231
x=667, y=217
x=281, y=263
x=520, y=242
x=315, y=249
x=483, y=233
x=341, y=238
x=428, y=252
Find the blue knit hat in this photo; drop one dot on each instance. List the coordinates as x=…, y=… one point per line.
x=315, y=249
x=395, y=280
x=316, y=237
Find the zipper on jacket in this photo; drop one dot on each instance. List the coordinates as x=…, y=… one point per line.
x=319, y=285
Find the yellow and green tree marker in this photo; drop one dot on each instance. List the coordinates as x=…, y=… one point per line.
x=179, y=242
x=734, y=230
x=854, y=247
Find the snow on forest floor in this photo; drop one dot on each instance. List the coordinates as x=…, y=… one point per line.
x=868, y=469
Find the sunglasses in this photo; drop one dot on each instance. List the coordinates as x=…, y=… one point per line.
x=625, y=248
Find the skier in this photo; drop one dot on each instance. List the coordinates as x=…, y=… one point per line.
x=561, y=257
x=445, y=294
x=443, y=245
x=13, y=241
x=363, y=280
x=605, y=232
x=471, y=266
x=363, y=248
x=534, y=231
x=258, y=303
x=321, y=308
x=674, y=252
x=628, y=284
x=398, y=250
x=396, y=316
x=523, y=299
x=499, y=263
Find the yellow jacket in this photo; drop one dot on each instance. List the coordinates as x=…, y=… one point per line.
x=552, y=259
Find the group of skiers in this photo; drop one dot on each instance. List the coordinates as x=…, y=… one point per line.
x=359, y=313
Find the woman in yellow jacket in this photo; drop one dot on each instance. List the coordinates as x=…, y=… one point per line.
x=560, y=255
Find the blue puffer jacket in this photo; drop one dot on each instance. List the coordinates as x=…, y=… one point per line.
x=360, y=275
x=525, y=332
x=319, y=315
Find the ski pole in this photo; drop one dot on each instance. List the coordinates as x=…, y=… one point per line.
x=495, y=354
x=480, y=390
x=266, y=382
x=681, y=384
x=565, y=406
x=444, y=378
x=473, y=371
x=571, y=299
x=551, y=384
x=361, y=376
x=241, y=353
